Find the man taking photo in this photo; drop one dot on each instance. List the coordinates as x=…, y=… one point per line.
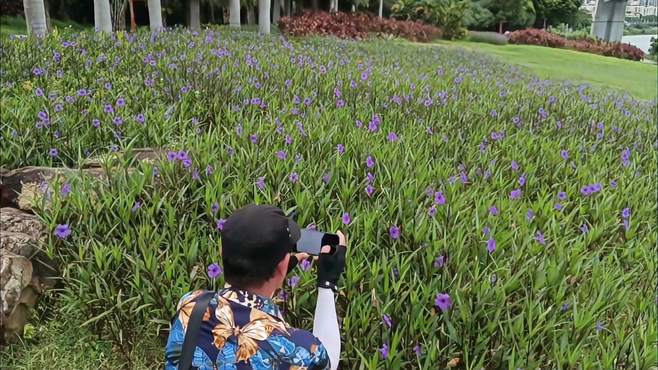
x=239, y=326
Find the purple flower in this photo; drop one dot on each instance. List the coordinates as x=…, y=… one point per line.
x=118, y=121
x=254, y=138
x=564, y=308
x=62, y=231
x=195, y=175
x=493, y=210
x=346, y=218
x=599, y=327
x=219, y=224
x=293, y=281
x=340, y=148
x=140, y=118
x=386, y=319
x=260, y=183
x=394, y=232
x=432, y=211
x=418, y=349
x=281, y=154
x=326, y=177
x=96, y=122
x=539, y=237
x=392, y=137
x=383, y=352
x=108, y=108
x=370, y=178
x=463, y=178
x=209, y=170
x=287, y=140
x=65, y=190
x=370, y=190
x=137, y=205
x=613, y=184
x=515, y=166
x=214, y=271
x=38, y=92
x=486, y=231
x=443, y=301
x=564, y=154
x=439, y=198
x=522, y=180
x=187, y=163
x=293, y=177
x=558, y=206
x=491, y=245
x=626, y=213
x=340, y=103
x=370, y=162
x=305, y=264
x=584, y=228
x=515, y=194
x=172, y=156
x=439, y=261
x=121, y=102
x=53, y=152
x=562, y=195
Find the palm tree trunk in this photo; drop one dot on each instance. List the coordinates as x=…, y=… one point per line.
x=46, y=8
x=251, y=15
x=35, y=17
x=234, y=13
x=381, y=8
x=155, y=15
x=276, y=11
x=264, y=17
x=102, y=18
x=195, y=17
x=500, y=27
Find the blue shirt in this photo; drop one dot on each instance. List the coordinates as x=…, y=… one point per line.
x=241, y=330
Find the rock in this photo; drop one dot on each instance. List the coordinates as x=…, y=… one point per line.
x=147, y=155
x=13, y=220
x=23, y=187
x=17, y=295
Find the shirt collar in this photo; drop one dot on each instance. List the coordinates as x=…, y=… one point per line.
x=251, y=300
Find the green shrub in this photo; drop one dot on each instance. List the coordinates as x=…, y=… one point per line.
x=487, y=37
x=446, y=14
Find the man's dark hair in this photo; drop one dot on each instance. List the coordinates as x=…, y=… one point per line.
x=243, y=272
x=254, y=240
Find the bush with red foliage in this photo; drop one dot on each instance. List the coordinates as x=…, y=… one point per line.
x=355, y=26
x=532, y=36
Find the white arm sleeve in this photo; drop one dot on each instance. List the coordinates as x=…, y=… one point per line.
x=325, y=325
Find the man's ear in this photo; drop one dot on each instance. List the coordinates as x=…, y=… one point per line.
x=282, y=267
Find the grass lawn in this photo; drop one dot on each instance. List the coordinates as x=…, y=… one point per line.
x=638, y=79
x=17, y=26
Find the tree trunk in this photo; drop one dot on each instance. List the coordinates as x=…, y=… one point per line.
x=46, y=8
x=133, y=24
x=544, y=23
x=212, y=13
x=381, y=8
x=102, y=18
x=276, y=11
x=35, y=17
x=195, y=16
x=155, y=15
x=264, y=17
x=251, y=15
x=286, y=7
x=500, y=27
x=234, y=13
x=315, y=5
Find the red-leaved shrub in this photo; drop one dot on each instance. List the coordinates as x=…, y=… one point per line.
x=355, y=26
x=532, y=36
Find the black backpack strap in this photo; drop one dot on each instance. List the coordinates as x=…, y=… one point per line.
x=193, y=328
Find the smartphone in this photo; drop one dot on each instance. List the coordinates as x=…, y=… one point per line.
x=312, y=241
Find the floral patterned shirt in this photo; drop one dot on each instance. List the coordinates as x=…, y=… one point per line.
x=241, y=330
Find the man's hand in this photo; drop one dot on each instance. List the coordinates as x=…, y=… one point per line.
x=331, y=265
x=294, y=260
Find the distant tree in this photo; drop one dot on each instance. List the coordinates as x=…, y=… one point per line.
x=554, y=12
x=478, y=16
x=653, y=49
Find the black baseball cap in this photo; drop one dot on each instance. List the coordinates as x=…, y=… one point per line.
x=259, y=233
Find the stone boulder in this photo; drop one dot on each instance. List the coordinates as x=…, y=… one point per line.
x=25, y=270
